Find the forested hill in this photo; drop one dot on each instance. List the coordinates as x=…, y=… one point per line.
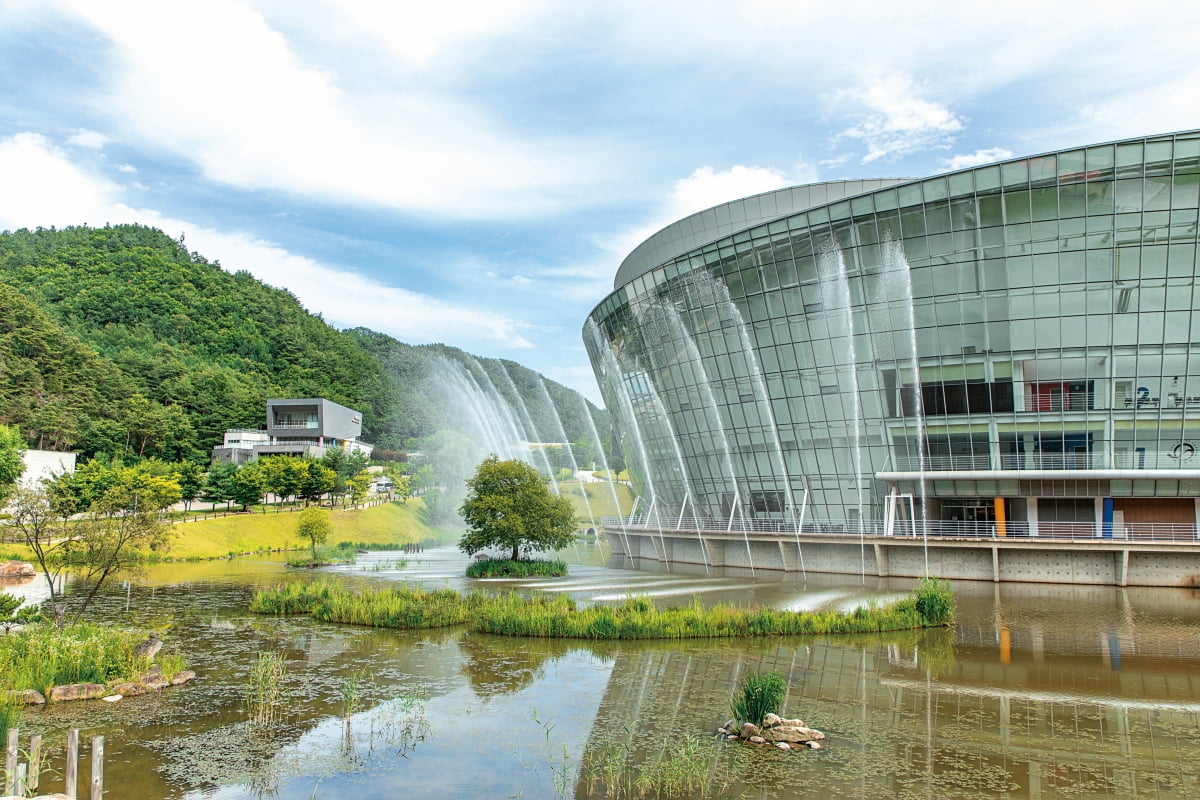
x=118, y=340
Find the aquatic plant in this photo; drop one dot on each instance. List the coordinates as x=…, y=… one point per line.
x=10, y=712
x=756, y=696
x=352, y=690
x=266, y=693
x=171, y=663
x=45, y=656
x=521, y=568
x=681, y=770
x=934, y=602
x=511, y=614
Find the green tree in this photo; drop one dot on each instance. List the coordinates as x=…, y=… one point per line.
x=358, y=487
x=509, y=505
x=218, y=483
x=438, y=509
x=12, y=613
x=246, y=485
x=315, y=526
x=424, y=479
x=190, y=477
x=12, y=448
x=318, y=480
x=123, y=526
x=282, y=476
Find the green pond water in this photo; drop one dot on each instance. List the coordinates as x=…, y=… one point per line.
x=1038, y=692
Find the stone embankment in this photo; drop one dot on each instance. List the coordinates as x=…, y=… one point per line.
x=783, y=733
x=152, y=681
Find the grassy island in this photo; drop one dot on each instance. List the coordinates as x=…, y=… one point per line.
x=931, y=604
x=522, y=568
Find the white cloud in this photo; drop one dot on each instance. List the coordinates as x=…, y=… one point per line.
x=1158, y=106
x=90, y=139
x=897, y=119
x=260, y=116
x=43, y=188
x=987, y=156
x=703, y=189
x=130, y=168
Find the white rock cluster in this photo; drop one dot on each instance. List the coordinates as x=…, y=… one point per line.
x=783, y=733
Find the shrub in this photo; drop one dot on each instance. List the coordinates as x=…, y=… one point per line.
x=523, y=568
x=757, y=696
x=935, y=602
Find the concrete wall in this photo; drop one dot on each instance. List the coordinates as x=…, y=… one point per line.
x=766, y=555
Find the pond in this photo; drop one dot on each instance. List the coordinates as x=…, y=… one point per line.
x=1038, y=692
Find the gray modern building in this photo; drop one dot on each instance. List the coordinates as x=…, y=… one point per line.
x=300, y=426
x=1012, y=349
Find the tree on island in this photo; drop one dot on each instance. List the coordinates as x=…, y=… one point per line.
x=315, y=526
x=509, y=505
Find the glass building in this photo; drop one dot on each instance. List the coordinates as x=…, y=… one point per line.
x=1012, y=349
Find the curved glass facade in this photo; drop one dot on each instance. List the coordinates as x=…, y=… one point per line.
x=1009, y=346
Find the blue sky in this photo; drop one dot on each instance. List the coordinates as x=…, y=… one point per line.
x=473, y=172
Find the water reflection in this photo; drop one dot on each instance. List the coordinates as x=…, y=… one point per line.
x=1038, y=692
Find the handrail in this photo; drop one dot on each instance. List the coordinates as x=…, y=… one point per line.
x=906, y=529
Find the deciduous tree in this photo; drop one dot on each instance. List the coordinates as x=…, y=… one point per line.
x=509, y=505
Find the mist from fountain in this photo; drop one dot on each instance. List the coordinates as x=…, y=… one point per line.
x=562, y=437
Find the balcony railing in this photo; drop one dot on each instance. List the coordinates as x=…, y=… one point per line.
x=1178, y=458
x=287, y=426
x=904, y=529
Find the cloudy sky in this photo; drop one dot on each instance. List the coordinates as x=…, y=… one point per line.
x=473, y=172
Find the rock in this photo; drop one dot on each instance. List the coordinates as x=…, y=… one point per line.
x=731, y=724
x=17, y=569
x=783, y=745
x=757, y=740
x=78, y=691
x=155, y=682
x=112, y=698
x=787, y=733
x=748, y=729
x=182, y=677
x=795, y=723
x=149, y=648
x=131, y=688
x=771, y=720
x=813, y=745
x=28, y=697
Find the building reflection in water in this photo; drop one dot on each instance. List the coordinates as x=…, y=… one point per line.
x=1039, y=692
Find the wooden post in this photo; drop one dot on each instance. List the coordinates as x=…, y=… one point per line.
x=72, y=778
x=35, y=762
x=10, y=761
x=19, y=787
x=98, y=768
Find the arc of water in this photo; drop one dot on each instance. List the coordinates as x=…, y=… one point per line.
x=612, y=373
x=503, y=417
x=757, y=381
x=712, y=408
x=567, y=444
x=530, y=428
x=466, y=393
x=898, y=277
x=831, y=266
x=604, y=464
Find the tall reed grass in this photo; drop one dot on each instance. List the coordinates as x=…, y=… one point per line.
x=557, y=616
x=756, y=696
x=265, y=692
